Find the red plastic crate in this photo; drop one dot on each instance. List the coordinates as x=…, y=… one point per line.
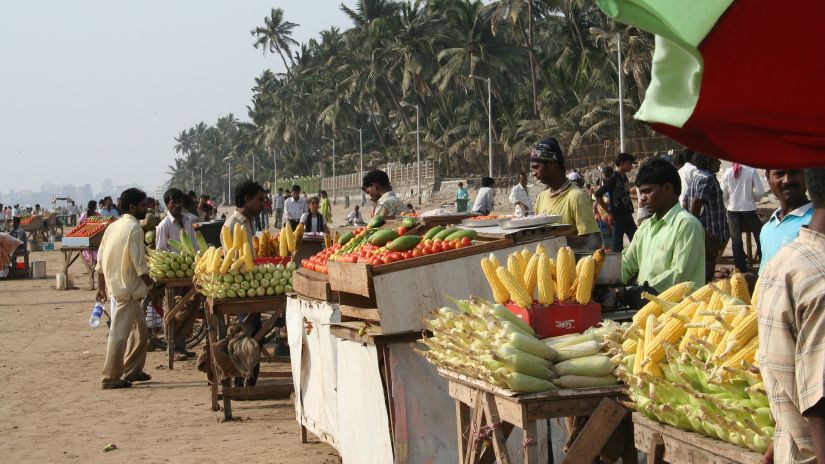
x=272, y=260
x=559, y=318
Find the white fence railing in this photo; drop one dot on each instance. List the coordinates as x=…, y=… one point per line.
x=398, y=173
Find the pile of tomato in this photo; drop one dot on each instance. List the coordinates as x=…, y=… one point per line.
x=318, y=261
x=376, y=256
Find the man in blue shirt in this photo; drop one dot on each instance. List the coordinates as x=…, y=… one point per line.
x=794, y=211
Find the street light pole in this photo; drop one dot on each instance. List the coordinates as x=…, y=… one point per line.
x=201, y=181
x=275, y=166
x=229, y=179
x=489, y=120
x=621, y=97
x=333, y=165
x=361, y=173
x=253, y=168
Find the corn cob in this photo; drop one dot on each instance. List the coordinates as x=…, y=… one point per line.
x=544, y=280
x=640, y=354
x=499, y=292
x=256, y=243
x=237, y=236
x=515, y=268
x=566, y=273
x=540, y=250
x=525, y=256
x=515, y=288
x=673, y=294
x=552, y=268
x=630, y=345
x=739, y=287
x=584, y=291
x=290, y=238
x=531, y=274
x=226, y=238
x=598, y=260
x=692, y=332
x=703, y=293
x=283, y=244
x=649, y=346
x=672, y=332
x=747, y=354
x=744, y=329
x=755, y=291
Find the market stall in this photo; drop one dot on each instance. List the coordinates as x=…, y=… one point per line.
x=84, y=239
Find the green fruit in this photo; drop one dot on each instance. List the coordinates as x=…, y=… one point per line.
x=270, y=291
x=279, y=290
x=444, y=233
x=228, y=278
x=433, y=232
x=248, y=277
x=264, y=282
x=221, y=295
x=244, y=285
x=346, y=238
x=408, y=222
x=376, y=222
x=268, y=275
x=180, y=274
x=405, y=243
x=235, y=286
x=250, y=293
x=170, y=274
x=279, y=267
x=190, y=273
x=260, y=291
x=231, y=294
x=290, y=266
x=190, y=260
x=259, y=277
x=174, y=265
x=382, y=237
x=288, y=289
x=254, y=284
x=458, y=235
x=282, y=282
x=149, y=237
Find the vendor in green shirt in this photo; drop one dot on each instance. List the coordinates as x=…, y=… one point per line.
x=669, y=247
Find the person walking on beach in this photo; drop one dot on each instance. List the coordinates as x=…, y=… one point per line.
x=520, y=197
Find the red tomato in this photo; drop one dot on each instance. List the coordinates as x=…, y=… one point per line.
x=387, y=259
x=402, y=230
x=437, y=248
x=396, y=255
x=416, y=253
x=376, y=261
x=460, y=245
x=407, y=255
x=428, y=242
x=427, y=250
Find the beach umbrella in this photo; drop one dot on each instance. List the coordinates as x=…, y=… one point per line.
x=741, y=80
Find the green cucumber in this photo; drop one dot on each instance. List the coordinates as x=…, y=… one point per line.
x=405, y=243
x=381, y=237
x=444, y=233
x=346, y=238
x=433, y=232
x=408, y=222
x=458, y=235
x=376, y=222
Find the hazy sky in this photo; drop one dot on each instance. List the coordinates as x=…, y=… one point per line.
x=99, y=88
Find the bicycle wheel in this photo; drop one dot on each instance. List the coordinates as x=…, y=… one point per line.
x=198, y=334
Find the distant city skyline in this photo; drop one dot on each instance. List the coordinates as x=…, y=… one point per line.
x=102, y=88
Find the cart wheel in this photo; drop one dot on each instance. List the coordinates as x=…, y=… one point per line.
x=198, y=334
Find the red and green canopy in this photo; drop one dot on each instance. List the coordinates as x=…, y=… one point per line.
x=737, y=79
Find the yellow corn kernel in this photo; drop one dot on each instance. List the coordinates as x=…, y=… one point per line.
x=565, y=272
x=630, y=345
x=747, y=354
x=598, y=260
x=715, y=303
x=544, y=280
x=515, y=288
x=739, y=287
x=584, y=291
x=531, y=274
x=515, y=268
x=500, y=294
x=640, y=351
x=673, y=294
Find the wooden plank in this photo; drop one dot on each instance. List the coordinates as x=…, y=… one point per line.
x=313, y=285
x=681, y=446
x=656, y=451
x=351, y=278
x=364, y=314
x=350, y=332
x=282, y=389
x=358, y=301
x=248, y=305
x=595, y=433
x=462, y=418
x=499, y=445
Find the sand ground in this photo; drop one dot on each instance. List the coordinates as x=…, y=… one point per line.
x=53, y=409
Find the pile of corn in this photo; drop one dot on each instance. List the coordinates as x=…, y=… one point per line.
x=282, y=245
x=690, y=362
x=485, y=341
x=529, y=275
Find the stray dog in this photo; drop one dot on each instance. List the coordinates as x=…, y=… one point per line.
x=244, y=351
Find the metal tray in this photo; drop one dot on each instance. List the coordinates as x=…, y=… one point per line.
x=532, y=221
x=480, y=222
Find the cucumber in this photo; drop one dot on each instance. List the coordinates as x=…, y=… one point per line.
x=381, y=237
x=346, y=238
x=376, y=222
x=405, y=243
x=433, y=232
x=444, y=233
x=408, y=222
x=458, y=235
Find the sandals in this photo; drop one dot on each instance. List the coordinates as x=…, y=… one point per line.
x=117, y=384
x=140, y=377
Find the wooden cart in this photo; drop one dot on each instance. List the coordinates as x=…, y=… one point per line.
x=485, y=412
x=664, y=443
x=217, y=314
x=70, y=255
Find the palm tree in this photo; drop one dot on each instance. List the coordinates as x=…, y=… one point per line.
x=275, y=36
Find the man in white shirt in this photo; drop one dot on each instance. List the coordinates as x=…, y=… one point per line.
x=741, y=188
x=107, y=208
x=295, y=207
x=686, y=172
x=485, y=200
x=520, y=197
x=123, y=274
x=175, y=221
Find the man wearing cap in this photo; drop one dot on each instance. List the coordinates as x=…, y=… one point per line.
x=620, y=209
x=563, y=197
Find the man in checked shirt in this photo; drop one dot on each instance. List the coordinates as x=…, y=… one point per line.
x=705, y=201
x=791, y=306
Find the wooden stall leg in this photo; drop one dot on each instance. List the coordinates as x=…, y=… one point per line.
x=595, y=433
x=303, y=434
x=499, y=445
x=656, y=452
x=226, y=384
x=530, y=447
x=170, y=343
x=477, y=422
x=462, y=420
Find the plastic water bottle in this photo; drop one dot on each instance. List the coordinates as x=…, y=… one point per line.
x=94, y=321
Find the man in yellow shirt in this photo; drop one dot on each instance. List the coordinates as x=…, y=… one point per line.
x=124, y=274
x=562, y=197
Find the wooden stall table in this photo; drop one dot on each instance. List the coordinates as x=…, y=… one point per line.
x=70, y=255
x=169, y=286
x=664, y=443
x=217, y=315
x=484, y=411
